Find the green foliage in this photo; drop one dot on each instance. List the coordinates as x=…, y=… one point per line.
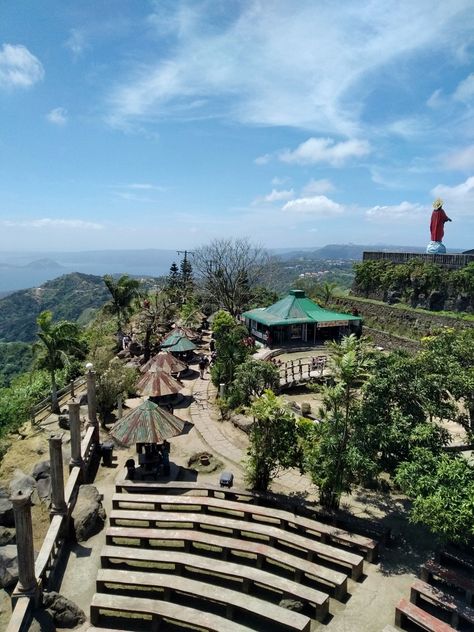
x=223, y=321
x=449, y=358
x=58, y=344
x=334, y=457
x=393, y=409
x=273, y=440
x=232, y=348
x=123, y=292
x=252, y=379
x=115, y=380
x=442, y=489
x=463, y=279
x=18, y=399
x=67, y=297
x=15, y=358
x=261, y=297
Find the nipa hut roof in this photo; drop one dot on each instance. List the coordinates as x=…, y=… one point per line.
x=148, y=423
x=166, y=361
x=157, y=383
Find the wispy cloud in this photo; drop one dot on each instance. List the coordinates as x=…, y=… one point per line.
x=325, y=150
x=310, y=68
x=318, y=205
x=18, y=67
x=76, y=42
x=275, y=196
x=460, y=198
x=316, y=187
x=406, y=211
x=58, y=116
x=460, y=159
x=48, y=223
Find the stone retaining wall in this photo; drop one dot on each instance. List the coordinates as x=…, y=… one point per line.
x=398, y=322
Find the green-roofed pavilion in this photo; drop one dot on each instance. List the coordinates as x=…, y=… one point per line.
x=296, y=318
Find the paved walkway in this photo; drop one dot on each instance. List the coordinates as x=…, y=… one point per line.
x=209, y=428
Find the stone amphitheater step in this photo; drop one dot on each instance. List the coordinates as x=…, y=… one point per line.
x=276, y=537
x=120, y=605
x=245, y=577
x=250, y=511
x=235, y=604
x=167, y=538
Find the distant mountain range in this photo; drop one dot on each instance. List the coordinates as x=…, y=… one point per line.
x=19, y=270
x=70, y=297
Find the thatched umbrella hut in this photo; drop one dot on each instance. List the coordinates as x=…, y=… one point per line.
x=158, y=383
x=166, y=361
x=148, y=423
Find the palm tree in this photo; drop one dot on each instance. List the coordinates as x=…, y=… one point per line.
x=57, y=344
x=123, y=291
x=326, y=292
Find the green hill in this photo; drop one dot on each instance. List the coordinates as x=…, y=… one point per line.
x=68, y=297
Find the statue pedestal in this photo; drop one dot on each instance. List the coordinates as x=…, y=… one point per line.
x=436, y=248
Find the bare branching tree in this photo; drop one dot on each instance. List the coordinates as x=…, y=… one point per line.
x=230, y=269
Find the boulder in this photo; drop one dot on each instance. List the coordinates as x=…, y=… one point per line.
x=63, y=611
x=23, y=483
x=7, y=536
x=43, y=488
x=6, y=509
x=8, y=565
x=63, y=421
x=436, y=301
x=88, y=515
x=41, y=470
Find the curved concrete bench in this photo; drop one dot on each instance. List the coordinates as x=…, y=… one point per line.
x=234, y=602
x=259, y=552
x=276, y=537
x=161, y=610
x=407, y=611
x=421, y=591
x=246, y=577
x=464, y=583
x=317, y=529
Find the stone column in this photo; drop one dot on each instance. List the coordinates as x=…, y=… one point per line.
x=92, y=403
x=27, y=585
x=120, y=406
x=75, y=428
x=58, y=504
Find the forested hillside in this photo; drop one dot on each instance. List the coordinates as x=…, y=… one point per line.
x=67, y=297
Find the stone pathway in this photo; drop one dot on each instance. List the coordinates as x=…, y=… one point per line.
x=210, y=431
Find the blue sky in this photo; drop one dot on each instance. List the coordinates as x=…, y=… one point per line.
x=130, y=124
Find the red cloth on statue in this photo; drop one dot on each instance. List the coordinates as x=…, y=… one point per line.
x=438, y=219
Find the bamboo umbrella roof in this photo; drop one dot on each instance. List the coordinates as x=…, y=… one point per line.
x=166, y=361
x=181, y=345
x=148, y=423
x=157, y=383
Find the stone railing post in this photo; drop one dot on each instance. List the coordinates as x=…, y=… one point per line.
x=75, y=428
x=58, y=503
x=120, y=406
x=92, y=402
x=27, y=585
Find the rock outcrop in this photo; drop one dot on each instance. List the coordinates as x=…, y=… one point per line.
x=88, y=515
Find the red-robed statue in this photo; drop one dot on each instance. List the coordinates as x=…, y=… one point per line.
x=438, y=220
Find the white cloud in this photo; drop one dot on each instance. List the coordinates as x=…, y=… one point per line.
x=18, y=67
x=76, y=42
x=277, y=182
x=465, y=90
x=462, y=159
x=263, y=160
x=58, y=116
x=316, y=187
x=143, y=186
x=459, y=198
x=436, y=100
x=316, y=205
x=395, y=213
x=308, y=67
x=276, y=196
x=48, y=223
x=325, y=150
